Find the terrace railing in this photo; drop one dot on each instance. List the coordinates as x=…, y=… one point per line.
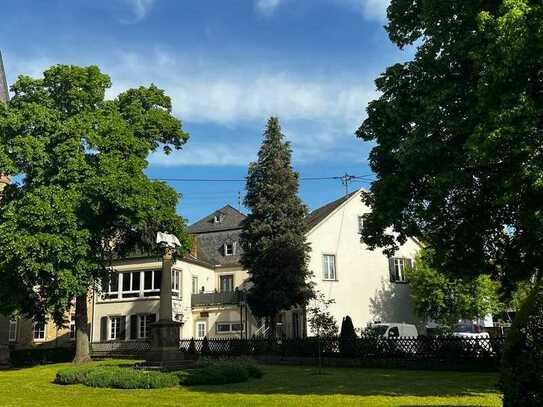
x=215, y=298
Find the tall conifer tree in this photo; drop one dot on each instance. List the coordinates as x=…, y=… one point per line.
x=273, y=238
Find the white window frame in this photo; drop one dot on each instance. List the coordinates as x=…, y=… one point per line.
x=176, y=282
x=400, y=265
x=360, y=223
x=227, y=252
x=197, y=329
x=195, y=288
x=141, y=292
x=144, y=326
x=12, y=330
x=230, y=327
x=218, y=218
x=116, y=325
x=41, y=332
x=327, y=274
x=220, y=282
x=72, y=327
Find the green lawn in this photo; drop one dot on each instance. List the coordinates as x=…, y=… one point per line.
x=281, y=386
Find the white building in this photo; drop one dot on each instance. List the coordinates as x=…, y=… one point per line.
x=366, y=285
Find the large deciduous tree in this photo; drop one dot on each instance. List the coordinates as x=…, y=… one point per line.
x=275, y=251
x=81, y=195
x=459, y=140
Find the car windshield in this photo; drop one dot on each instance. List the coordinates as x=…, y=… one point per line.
x=379, y=329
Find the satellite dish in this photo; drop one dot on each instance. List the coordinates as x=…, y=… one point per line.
x=167, y=240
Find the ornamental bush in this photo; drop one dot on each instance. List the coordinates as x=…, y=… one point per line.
x=220, y=373
x=522, y=365
x=115, y=377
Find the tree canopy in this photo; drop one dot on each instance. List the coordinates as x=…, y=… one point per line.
x=458, y=133
x=445, y=299
x=81, y=195
x=275, y=251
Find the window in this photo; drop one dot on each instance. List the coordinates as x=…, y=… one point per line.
x=130, y=284
x=393, y=332
x=114, y=328
x=72, y=327
x=194, y=285
x=151, y=283
x=175, y=282
x=144, y=325
x=397, y=268
x=329, y=267
x=218, y=218
x=201, y=329
x=227, y=283
x=360, y=224
x=228, y=327
x=12, y=330
x=230, y=249
x=39, y=331
x=135, y=284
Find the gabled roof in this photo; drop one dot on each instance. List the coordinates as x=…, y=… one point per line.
x=319, y=214
x=4, y=95
x=231, y=220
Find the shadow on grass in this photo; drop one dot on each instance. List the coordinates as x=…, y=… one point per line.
x=362, y=382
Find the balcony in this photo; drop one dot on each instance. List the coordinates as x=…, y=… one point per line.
x=215, y=298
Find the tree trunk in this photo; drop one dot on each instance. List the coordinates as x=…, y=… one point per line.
x=82, y=348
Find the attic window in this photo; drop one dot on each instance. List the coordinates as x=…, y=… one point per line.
x=230, y=249
x=218, y=218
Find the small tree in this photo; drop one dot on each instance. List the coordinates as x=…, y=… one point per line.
x=347, y=337
x=275, y=251
x=319, y=318
x=446, y=300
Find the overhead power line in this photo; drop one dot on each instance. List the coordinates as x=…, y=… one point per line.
x=350, y=177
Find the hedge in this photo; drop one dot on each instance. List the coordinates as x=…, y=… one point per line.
x=220, y=373
x=36, y=356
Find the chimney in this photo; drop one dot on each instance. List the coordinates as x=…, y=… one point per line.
x=194, y=246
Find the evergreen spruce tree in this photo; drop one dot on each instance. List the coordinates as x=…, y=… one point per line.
x=273, y=237
x=347, y=338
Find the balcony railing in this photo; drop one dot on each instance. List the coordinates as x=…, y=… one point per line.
x=215, y=298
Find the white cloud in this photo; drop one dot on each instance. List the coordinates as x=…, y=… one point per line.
x=371, y=9
x=138, y=10
x=267, y=6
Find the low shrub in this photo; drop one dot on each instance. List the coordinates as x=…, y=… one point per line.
x=72, y=375
x=37, y=356
x=115, y=377
x=220, y=373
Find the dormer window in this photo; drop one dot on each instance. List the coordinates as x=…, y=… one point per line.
x=230, y=249
x=218, y=218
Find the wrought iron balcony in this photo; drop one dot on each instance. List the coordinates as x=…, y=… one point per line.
x=216, y=298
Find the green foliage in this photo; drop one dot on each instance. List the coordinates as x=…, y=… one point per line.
x=115, y=377
x=275, y=251
x=205, y=346
x=347, y=337
x=35, y=356
x=458, y=137
x=319, y=318
x=446, y=299
x=220, y=373
x=192, y=347
x=522, y=366
x=82, y=195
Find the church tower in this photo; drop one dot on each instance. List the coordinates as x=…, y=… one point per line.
x=4, y=98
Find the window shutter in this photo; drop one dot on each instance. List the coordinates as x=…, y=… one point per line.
x=122, y=335
x=103, y=329
x=234, y=247
x=391, y=269
x=133, y=327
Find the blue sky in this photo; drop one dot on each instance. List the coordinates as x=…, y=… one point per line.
x=228, y=65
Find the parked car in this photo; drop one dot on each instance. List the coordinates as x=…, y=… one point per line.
x=395, y=330
x=481, y=342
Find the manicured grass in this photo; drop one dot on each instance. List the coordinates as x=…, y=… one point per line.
x=280, y=386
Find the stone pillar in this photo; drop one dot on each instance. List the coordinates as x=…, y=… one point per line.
x=165, y=333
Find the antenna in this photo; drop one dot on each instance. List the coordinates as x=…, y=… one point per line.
x=239, y=201
x=346, y=180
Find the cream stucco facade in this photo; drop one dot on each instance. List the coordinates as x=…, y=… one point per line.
x=362, y=287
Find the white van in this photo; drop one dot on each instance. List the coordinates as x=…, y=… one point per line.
x=395, y=329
